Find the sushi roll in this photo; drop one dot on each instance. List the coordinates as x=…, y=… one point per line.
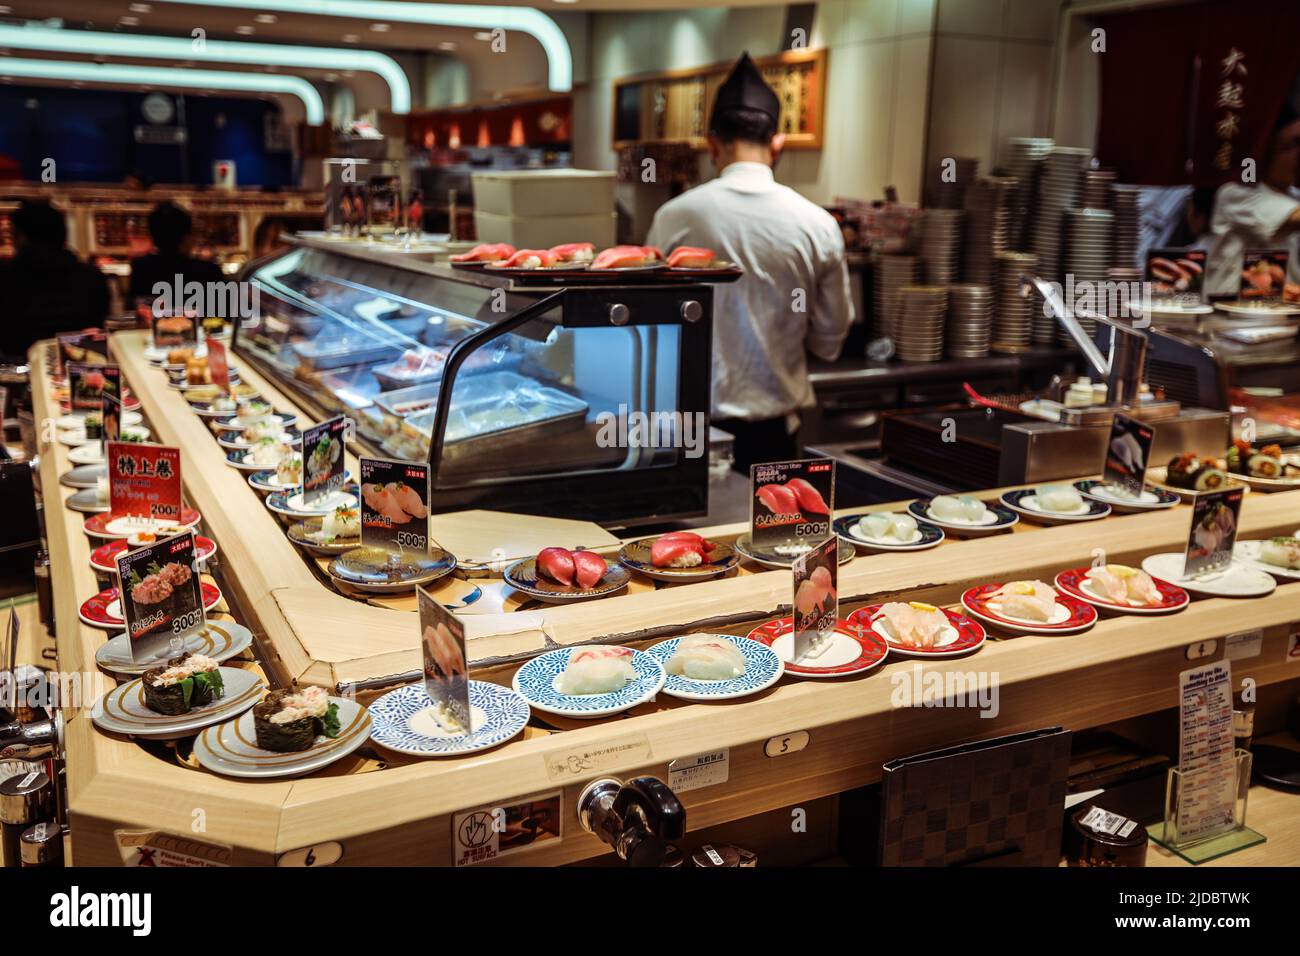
x=596, y=670
x=1281, y=552
x=706, y=657
x=185, y=683
x=288, y=721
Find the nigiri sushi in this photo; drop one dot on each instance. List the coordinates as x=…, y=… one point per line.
x=1059, y=498
x=556, y=564
x=680, y=549
x=691, y=257
x=486, y=252
x=1026, y=600
x=706, y=657
x=574, y=252
x=885, y=525
x=596, y=670
x=778, y=499
x=380, y=499
x=963, y=508
x=809, y=498
x=627, y=257
x=529, y=259
x=588, y=568
x=1124, y=585
x=913, y=623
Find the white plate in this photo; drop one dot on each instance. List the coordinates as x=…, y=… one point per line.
x=159, y=355
x=1247, y=552
x=296, y=507
x=122, y=710
x=536, y=682
x=228, y=422
x=1025, y=501
x=1146, y=499
x=403, y=721
x=91, y=454
x=924, y=537
x=77, y=420
x=231, y=748
x=763, y=668
x=1258, y=311
x=241, y=442
x=221, y=640
x=75, y=439
x=1239, y=579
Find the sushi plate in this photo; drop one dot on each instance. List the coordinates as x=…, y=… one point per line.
x=157, y=355
x=232, y=423
x=205, y=409
x=1024, y=501
x=293, y=505
x=104, y=610
x=266, y=481
x=770, y=558
x=238, y=440
x=763, y=668
x=1157, y=476
x=305, y=534
x=1247, y=552
x=389, y=572
x=404, y=721
x=1075, y=583
x=1274, y=484
x=1238, y=579
x=523, y=577
x=111, y=525
x=636, y=555
x=76, y=421
x=1253, y=310
x=962, y=635
x=92, y=454
x=219, y=640
x=104, y=558
x=925, y=536
x=84, y=476
x=86, y=501
x=238, y=458
x=535, y=682
x=1071, y=615
x=997, y=518
x=1149, y=499
x=231, y=750
x=123, y=710
x=854, y=649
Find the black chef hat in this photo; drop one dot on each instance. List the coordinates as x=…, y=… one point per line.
x=745, y=96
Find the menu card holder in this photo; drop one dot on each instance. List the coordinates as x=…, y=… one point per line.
x=1199, y=849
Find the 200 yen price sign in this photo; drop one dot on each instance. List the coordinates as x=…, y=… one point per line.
x=161, y=596
x=144, y=480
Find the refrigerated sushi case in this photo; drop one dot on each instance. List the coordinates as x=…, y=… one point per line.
x=521, y=398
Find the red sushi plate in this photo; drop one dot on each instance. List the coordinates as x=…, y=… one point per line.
x=104, y=558
x=1172, y=597
x=94, y=611
x=96, y=524
x=1082, y=615
x=970, y=635
x=873, y=648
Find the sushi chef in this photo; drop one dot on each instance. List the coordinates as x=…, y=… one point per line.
x=793, y=298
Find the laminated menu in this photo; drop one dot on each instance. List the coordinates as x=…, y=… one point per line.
x=322, y=459
x=110, y=415
x=161, y=596
x=1207, y=764
x=446, y=676
x=144, y=480
x=86, y=385
x=791, y=501
x=218, y=365
x=394, y=505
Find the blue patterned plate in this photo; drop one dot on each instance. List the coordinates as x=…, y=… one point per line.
x=536, y=681
x=404, y=720
x=763, y=668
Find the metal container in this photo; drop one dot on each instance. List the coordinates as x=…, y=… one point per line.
x=41, y=844
x=24, y=800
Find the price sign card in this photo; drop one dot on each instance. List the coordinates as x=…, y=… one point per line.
x=144, y=480
x=446, y=676
x=218, y=365
x=85, y=386
x=1263, y=274
x=175, y=331
x=816, y=599
x=1127, y=454
x=791, y=501
x=161, y=596
x=1214, y=531
x=1206, y=759
x=394, y=505
x=90, y=347
x=110, y=408
x=322, y=459
x=1176, y=273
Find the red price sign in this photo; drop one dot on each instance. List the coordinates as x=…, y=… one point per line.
x=144, y=480
x=218, y=366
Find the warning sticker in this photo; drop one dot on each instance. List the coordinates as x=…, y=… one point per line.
x=490, y=833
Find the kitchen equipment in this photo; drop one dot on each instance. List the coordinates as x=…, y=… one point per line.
x=638, y=819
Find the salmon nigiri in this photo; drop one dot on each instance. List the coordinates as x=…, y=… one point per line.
x=691, y=257
x=574, y=252
x=627, y=257
x=530, y=259
x=486, y=252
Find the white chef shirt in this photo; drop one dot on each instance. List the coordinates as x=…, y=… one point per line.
x=784, y=243
x=1248, y=217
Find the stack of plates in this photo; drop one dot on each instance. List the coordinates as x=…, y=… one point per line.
x=1090, y=235
x=950, y=195
x=1058, y=190
x=1042, y=323
x=970, y=320
x=941, y=245
x=1095, y=186
x=892, y=273
x=919, y=335
x=1025, y=155
x=1013, y=319
x=1124, y=203
x=987, y=229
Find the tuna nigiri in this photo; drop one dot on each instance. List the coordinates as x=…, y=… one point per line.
x=574, y=252
x=486, y=252
x=588, y=568
x=529, y=259
x=691, y=257
x=680, y=549
x=627, y=257
x=556, y=564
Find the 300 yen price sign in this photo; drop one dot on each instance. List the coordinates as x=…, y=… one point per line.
x=144, y=480
x=161, y=595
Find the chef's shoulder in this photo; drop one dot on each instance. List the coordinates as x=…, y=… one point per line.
x=815, y=220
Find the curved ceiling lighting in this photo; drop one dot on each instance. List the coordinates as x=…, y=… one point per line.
x=169, y=76
x=89, y=43
x=471, y=16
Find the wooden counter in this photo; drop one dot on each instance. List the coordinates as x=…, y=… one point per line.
x=1124, y=667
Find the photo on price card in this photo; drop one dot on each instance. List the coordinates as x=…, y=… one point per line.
x=161, y=595
x=1214, y=530
x=322, y=456
x=1263, y=274
x=85, y=386
x=791, y=501
x=816, y=599
x=1176, y=273
x=1127, y=453
x=394, y=504
x=446, y=674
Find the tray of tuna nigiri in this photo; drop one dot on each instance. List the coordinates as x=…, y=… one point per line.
x=558, y=576
x=578, y=263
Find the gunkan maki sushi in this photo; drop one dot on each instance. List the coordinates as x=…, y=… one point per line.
x=287, y=721
x=185, y=683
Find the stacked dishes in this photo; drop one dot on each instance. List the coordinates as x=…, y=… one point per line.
x=1058, y=190
x=950, y=195
x=1089, y=258
x=1124, y=204
x=941, y=244
x=892, y=273
x=919, y=335
x=987, y=226
x=1095, y=187
x=1012, y=321
x=1042, y=323
x=970, y=320
x=1025, y=155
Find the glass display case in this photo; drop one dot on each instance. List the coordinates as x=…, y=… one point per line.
x=574, y=400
